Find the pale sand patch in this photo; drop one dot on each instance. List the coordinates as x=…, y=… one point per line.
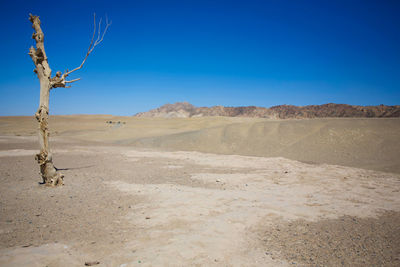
x=208, y=159
x=227, y=180
x=16, y=139
x=172, y=166
x=192, y=226
x=17, y=152
x=213, y=226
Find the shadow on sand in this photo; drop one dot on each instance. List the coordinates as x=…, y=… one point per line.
x=75, y=168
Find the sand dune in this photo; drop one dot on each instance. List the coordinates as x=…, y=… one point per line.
x=356, y=142
x=365, y=143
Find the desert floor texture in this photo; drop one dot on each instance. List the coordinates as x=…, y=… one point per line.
x=202, y=191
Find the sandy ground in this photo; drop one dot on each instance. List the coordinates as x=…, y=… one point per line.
x=133, y=206
x=362, y=143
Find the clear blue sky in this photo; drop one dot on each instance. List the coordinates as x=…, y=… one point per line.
x=230, y=53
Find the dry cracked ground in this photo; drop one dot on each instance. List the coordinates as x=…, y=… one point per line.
x=124, y=206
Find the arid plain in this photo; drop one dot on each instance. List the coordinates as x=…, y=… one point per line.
x=205, y=191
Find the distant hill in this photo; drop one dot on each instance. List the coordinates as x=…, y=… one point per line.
x=331, y=110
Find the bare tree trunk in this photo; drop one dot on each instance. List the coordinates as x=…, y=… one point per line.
x=49, y=173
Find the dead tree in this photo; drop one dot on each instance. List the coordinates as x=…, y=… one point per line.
x=50, y=175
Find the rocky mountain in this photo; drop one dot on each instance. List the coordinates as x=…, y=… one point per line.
x=335, y=110
x=177, y=110
x=186, y=110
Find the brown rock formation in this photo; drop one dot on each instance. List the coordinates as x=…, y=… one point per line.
x=331, y=110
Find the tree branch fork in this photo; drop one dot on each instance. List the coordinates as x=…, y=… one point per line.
x=38, y=55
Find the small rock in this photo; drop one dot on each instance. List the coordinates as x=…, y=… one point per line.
x=91, y=263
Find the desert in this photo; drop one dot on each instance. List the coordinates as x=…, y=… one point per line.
x=200, y=133
x=202, y=191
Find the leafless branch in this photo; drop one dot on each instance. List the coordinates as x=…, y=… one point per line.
x=92, y=45
x=71, y=81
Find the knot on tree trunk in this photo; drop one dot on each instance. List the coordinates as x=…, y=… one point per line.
x=58, y=81
x=39, y=37
x=42, y=116
x=42, y=113
x=49, y=173
x=37, y=55
x=43, y=158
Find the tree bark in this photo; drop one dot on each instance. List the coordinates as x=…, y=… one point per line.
x=50, y=175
